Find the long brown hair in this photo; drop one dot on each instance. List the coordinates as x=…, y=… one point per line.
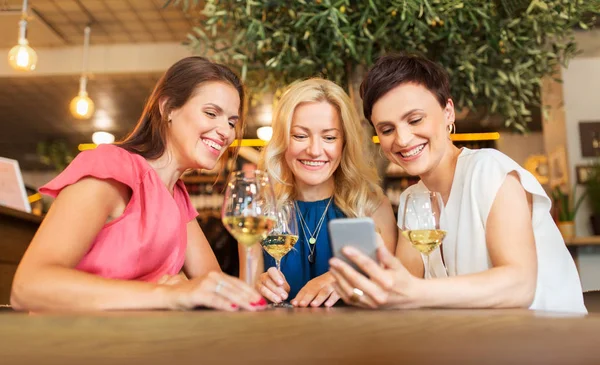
x=176, y=87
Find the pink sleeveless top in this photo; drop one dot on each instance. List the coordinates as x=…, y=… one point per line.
x=149, y=239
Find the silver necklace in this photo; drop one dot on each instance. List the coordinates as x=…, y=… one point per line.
x=313, y=236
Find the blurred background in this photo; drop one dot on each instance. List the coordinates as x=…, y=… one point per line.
x=525, y=79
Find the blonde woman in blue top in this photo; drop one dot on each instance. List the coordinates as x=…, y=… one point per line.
x=317, y=158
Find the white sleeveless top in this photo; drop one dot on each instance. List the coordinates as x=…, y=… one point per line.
x=477, y=178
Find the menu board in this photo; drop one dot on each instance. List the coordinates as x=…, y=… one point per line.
x=12, y=189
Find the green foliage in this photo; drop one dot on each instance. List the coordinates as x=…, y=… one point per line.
x=566, y=204
x=495, y=51
x=54, y=153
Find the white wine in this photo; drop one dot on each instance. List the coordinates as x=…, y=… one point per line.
x=425, y=240
x=249, y=230
x=279, y=245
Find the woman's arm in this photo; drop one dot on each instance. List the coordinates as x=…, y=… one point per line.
x=46, y=278
x=511, y=246
x=510, y=283
x=199, y=256
x=386, y=224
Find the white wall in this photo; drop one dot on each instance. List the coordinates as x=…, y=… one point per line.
x=581, y=82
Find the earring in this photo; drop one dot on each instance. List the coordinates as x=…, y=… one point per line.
x=451, y=128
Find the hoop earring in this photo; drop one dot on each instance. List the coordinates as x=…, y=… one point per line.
x=452, y=128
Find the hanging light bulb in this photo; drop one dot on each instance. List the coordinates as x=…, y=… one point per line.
x=103, y=138
x=22, y=57
x=82, y=107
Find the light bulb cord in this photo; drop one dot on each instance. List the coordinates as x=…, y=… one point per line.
x=86, y=51
x=83, y=84
x=23, y=24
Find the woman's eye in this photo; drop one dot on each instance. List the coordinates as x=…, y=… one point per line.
x=210, y=114
x=232, y=124
x=330, y=138
x=415, y=121
x=387, y=131
x=299, y=136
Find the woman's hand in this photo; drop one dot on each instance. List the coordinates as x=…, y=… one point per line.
x=215, y=290
x=390, y=286
x=316, y=292
x=273, y=286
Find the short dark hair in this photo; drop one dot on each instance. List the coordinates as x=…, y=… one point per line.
x=177, y=86
x=393, y=70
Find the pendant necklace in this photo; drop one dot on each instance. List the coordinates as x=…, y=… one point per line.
x=312, y=237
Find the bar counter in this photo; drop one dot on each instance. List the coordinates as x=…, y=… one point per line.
x=16, y=231
x=300, y=336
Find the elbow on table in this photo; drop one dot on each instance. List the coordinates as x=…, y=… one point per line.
x=18, y=296
x=22, y=291
x=524, y=292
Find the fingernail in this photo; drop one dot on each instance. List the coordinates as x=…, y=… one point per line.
x=234, y=306
x=334, y=262
x=283, y=295
x=302, y=304
x=294, y=302
x=262, y=302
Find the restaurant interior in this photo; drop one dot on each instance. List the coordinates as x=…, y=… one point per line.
x=79, y=72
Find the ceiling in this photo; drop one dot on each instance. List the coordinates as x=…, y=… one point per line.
x=56, y=23
x=35, y=108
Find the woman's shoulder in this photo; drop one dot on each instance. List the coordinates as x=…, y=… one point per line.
x=485, y=156
x=103, y=162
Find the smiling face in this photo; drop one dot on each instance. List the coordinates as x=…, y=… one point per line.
x=413, y=127
x=202, y=130
x=315, y=146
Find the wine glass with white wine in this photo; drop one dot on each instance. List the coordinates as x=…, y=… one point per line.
x=283, y=236
x=421, y=224
x=246, y=213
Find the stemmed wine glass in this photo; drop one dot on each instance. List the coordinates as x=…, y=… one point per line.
x=421, y=223
x=245, y=212
x=284, y=235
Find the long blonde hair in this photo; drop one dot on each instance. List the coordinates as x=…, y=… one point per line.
x=356, y=189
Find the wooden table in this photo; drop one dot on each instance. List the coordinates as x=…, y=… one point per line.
x=300, y=336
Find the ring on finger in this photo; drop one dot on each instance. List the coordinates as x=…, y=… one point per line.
x=219, y=286
x=356, y=295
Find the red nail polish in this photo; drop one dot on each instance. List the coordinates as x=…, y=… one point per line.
x=261, y=303
x=234, y=306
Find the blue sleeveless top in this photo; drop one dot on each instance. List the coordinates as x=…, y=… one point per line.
x=295, y=265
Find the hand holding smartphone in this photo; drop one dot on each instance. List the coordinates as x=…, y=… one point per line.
x=356, y=232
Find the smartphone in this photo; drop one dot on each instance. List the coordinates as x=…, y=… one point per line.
x=356, y=232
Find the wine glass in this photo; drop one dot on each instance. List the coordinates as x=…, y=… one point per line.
x=421, y=223
x=284, y=235
x=245, y=212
